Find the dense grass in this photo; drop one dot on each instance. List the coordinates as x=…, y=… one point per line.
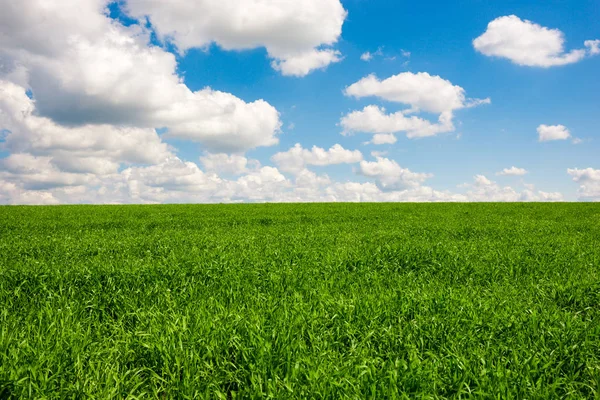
x=300, y=301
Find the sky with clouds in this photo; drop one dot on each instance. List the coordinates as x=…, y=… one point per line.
x=205, y=101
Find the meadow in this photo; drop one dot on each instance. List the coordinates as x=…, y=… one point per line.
x=289, y=301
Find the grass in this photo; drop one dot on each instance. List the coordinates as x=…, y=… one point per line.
x=341, y=301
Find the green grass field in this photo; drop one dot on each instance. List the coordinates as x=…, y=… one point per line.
x=300, y=301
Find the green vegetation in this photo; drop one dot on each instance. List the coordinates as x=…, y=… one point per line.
x=300, y=301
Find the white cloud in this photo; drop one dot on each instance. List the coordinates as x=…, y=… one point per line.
x=374, y=119
x=513, y=171
x=481, y=181
x=390, y=175
x=178, y=181
x=589, y=181
x=89, y=148
x=85, y=68
x=302, y=64
x=100, y=89
x=173, y=174
x=383, y=138
x=11, y=193
x=33, y=180
x=553, y=132
x=421, y=91
x=593, y=46
x=308, y=179
x=262, y=185
x=483, y=189
x=585, y=175
x=297, y=158
x=233, y=164
x=38, y=173
x=46, y=27
x=529, y=44
x=292, y=31
x=366, y=56
x=369, y=192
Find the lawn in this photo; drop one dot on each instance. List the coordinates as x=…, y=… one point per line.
x=333, y=301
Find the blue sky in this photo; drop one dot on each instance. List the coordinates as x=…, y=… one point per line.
x=283, y=69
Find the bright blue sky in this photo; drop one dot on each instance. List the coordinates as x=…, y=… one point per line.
x=439, y=36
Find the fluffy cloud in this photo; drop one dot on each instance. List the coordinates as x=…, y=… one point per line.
x=513, y=171
x=297, y=158
x=390, y=175
x=302, y=64
x=97, y=149
x=293, y=32
x=26, y=179
x=11, y=193
x=483, y=189
x=420, y=91
x=383, y=138
x=172, y=180
x=589, y=181
x=553, y=132
x=38, y=173
x=370, y=192
x=81, y=96
x=527, y=43
x=85, y=68
x=179, y=181
x=234, y=164
x=374, y=119
x=593, y=46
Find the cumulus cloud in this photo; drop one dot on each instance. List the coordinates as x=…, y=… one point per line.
x=485, y=190
x=293, y=32
x=82, y=98
x=234, y=164
x=85, y=68
x=420, y=91
x=390, y=175
x=262, y=185
x=11, y=193
x=370, y=192
x=297, y=158
x=593, y=46
x=383, y=138
x=309, y=179
x=38, y=173
x=25, y=179
x=89, y=148
x=529, y=44
x=302, y=64
x=589, y=181
x=375, y=119
x=512, y=171
x=552, y=132
x=179, y=181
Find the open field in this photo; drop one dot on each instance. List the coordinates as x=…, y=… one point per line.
x=300, y=301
